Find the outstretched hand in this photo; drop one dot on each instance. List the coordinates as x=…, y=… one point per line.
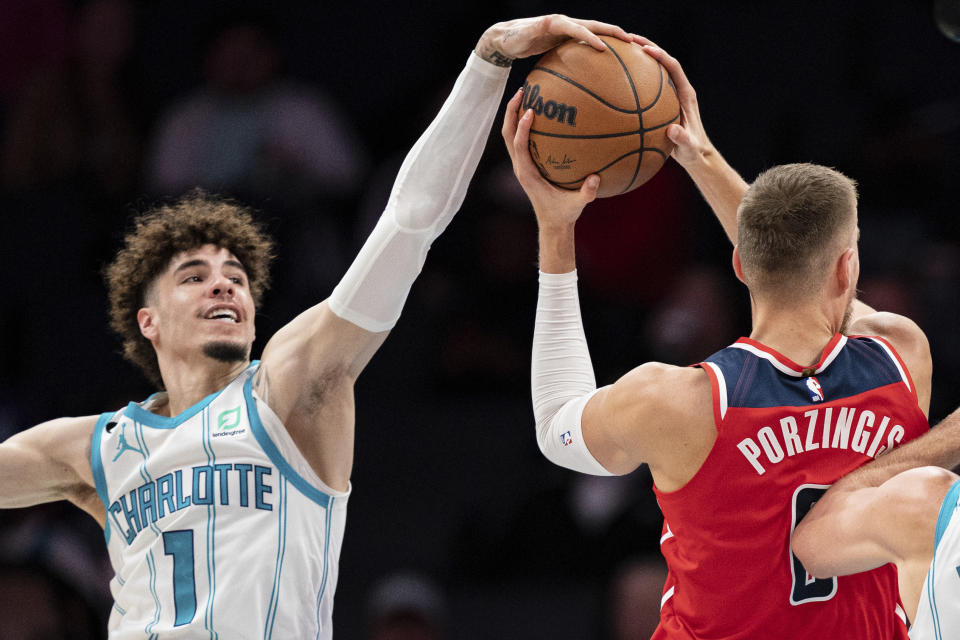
x=554, y=207
x=504, y=42
x=689, y=137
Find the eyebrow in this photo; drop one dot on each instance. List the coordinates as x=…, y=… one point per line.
x=199, y=262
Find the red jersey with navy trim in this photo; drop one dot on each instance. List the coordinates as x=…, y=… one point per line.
x=784, y=434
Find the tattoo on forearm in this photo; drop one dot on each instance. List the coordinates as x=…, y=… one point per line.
x=499, y=59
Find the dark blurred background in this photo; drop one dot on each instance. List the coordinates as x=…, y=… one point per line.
x=458, y=528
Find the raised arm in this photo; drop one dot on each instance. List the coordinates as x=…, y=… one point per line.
x=644, y=415
x=720, y=184
x=50, y=462
x=308, y=367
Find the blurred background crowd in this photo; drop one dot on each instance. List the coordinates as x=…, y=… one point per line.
x=458, y=528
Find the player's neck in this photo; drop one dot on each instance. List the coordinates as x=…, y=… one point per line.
x=799, y=334
x=189, y=383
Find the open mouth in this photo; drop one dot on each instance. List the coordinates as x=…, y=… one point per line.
x=222, y=314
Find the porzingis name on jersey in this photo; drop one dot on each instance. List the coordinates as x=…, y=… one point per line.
x=200, y=485
x=828, y=428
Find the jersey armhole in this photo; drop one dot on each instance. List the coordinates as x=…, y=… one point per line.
x=898, y=363
x=718, y=387
x=96, y=467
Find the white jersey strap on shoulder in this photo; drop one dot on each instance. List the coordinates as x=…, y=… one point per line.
x=562, y=379
x=429, y=190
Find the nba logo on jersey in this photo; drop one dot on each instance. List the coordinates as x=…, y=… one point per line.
x=566, y=438
x=816, y=391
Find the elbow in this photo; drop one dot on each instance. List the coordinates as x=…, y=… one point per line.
x=808, y=552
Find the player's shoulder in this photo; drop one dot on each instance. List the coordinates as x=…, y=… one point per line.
x=64, y=431
x=664, y=390
x=903, y=334
x=910, y=487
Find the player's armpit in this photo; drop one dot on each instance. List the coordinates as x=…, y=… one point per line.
x=49, y=462
x=315, y=352
x=910, y=343
x=657, y=414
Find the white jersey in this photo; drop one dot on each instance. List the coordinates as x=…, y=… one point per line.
x=216, y=527
x=938, y=613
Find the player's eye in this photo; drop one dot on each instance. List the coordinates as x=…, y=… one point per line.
x=193, y=278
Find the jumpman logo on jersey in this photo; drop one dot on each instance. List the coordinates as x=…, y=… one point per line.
x=123, y=445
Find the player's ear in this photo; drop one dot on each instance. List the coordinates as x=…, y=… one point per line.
x=146, y=318
x=847, y=270
x=737, y=266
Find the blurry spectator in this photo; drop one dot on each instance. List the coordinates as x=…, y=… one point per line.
x=699, y=313
x=75, y=123
x=634, y=598
x=406, y=606
x=33, y=34
x=250, y=130
x=577, y=532
x=631, y=247
x=35, y=604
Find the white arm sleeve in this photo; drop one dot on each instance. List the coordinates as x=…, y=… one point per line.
x=428, y=191
x=562, y=379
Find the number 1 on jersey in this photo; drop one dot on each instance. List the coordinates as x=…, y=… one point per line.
x=806, y=588
x=179, y=544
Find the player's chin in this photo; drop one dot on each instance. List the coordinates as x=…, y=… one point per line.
x=227, y=350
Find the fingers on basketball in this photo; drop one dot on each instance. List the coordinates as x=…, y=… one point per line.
x=602, y=112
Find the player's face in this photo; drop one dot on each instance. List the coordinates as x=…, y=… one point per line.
x=202, y=302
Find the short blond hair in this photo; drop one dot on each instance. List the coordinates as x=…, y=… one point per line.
x=790, y=225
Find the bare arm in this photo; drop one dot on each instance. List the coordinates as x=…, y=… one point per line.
x=658, y=414
x=855, y=528
x=721, y=186
x=50, y=462
x=309, y=367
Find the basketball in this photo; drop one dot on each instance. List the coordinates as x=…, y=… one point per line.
x=603, y=112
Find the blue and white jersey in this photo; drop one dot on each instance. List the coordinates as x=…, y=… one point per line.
x=216, y=524
x=938, y=613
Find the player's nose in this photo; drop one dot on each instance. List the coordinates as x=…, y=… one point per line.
x=221, y=286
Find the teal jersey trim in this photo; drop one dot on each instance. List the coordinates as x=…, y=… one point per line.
x=152, y=567
x=946, y=512
x=281, y=551
x=269, y=448
x=150, y=419
x=326, y=566
x=211, y=530
x=145, y=475
x=96, y=468
x=947, y=509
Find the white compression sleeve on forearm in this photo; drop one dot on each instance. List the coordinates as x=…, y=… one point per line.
x=429, y=189
x=561, y=373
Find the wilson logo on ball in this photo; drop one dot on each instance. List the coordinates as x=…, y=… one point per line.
x=551, y=109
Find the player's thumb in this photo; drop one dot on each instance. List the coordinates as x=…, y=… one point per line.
x=678, y=135
x=588, y=190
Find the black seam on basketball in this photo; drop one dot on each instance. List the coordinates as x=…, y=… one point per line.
x=584, y=89
x=635, y=132
x=636, y=101
x=585, y=135
x=663, y=124
x=659, y=90
x=640, y=151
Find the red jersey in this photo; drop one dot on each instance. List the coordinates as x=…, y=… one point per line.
x=784, y=434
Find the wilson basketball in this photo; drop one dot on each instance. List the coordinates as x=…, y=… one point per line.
x=600, y=112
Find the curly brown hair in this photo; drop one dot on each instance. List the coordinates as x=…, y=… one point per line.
x=160, y=234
